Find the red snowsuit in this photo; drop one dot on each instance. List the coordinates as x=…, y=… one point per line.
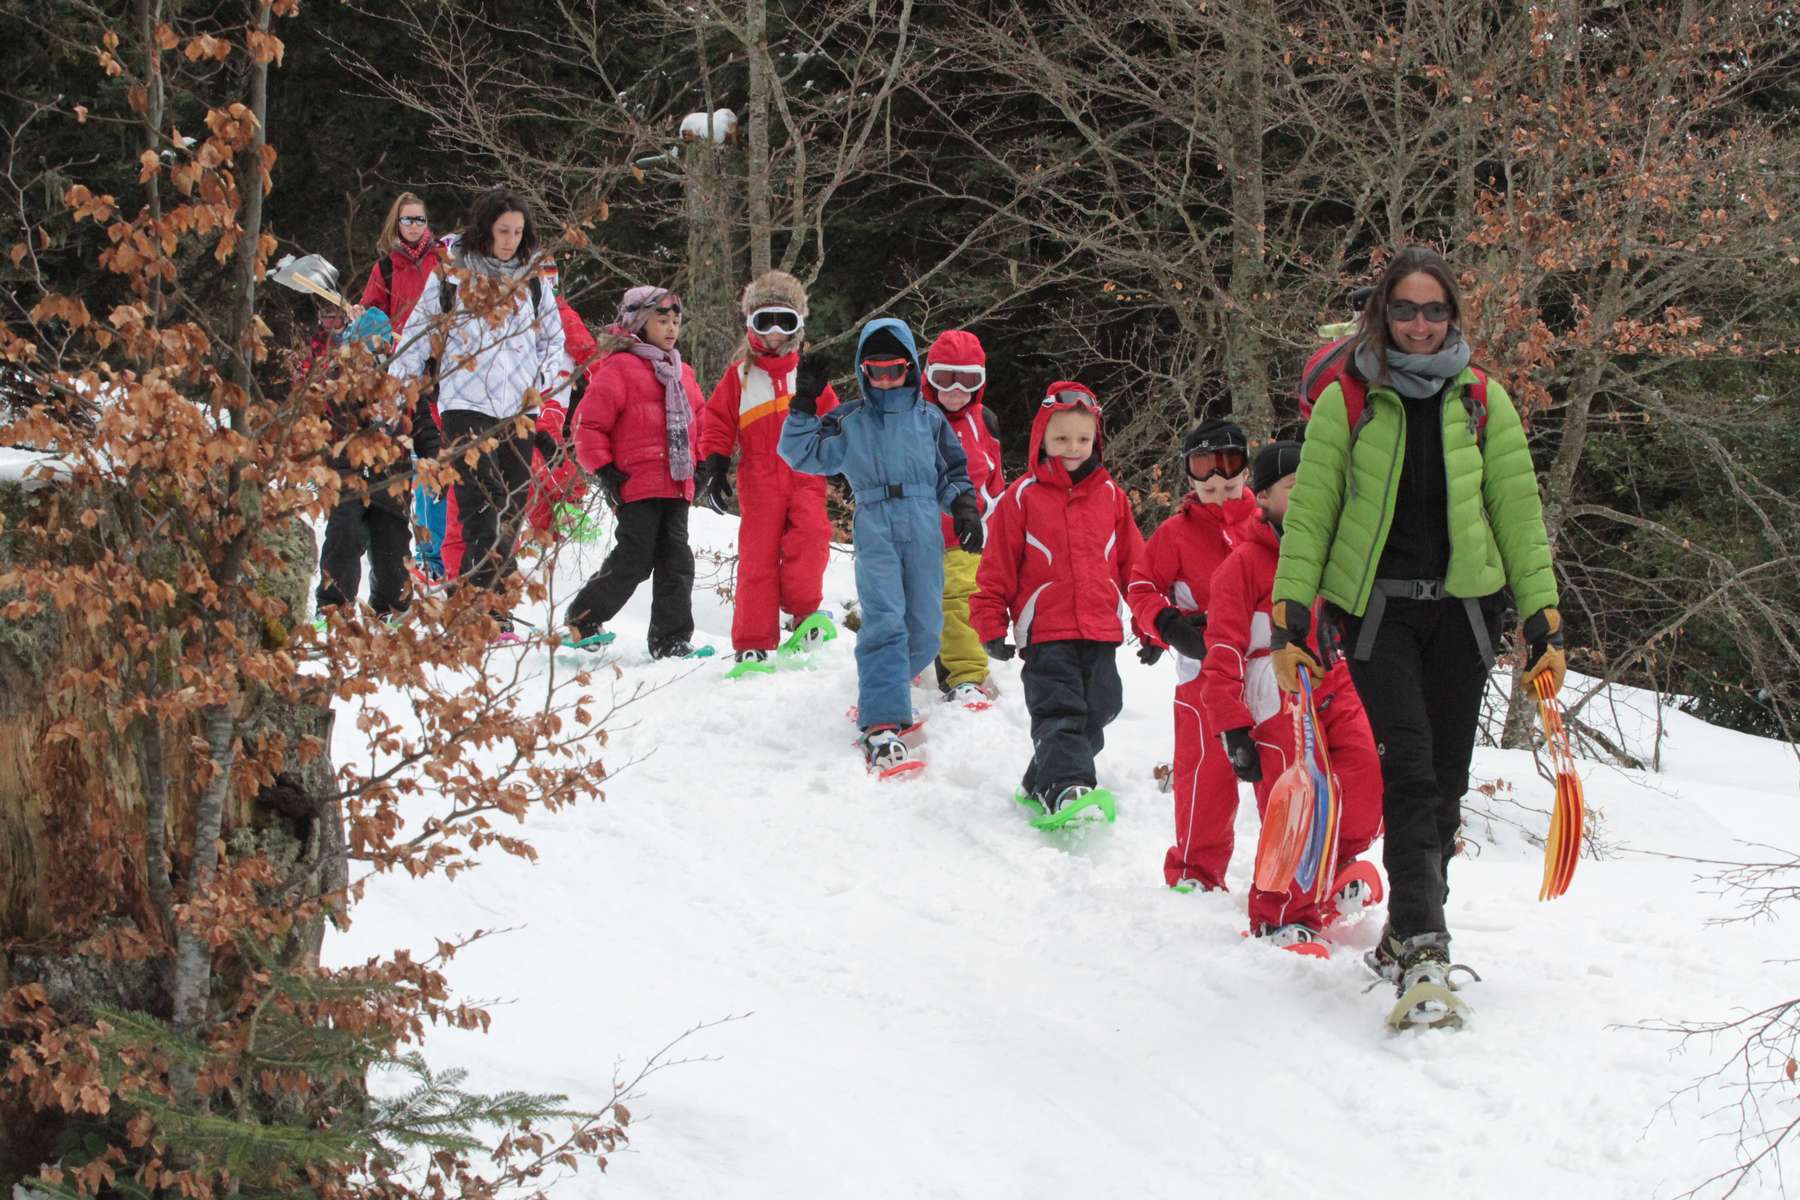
x=1237, y=691
x=1176, y=571
x=784, y=536
x=1041, y=528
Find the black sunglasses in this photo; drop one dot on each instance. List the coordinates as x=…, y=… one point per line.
x=1437, y=312
x=412, y=220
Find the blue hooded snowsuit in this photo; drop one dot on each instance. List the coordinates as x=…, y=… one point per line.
x=905, y=466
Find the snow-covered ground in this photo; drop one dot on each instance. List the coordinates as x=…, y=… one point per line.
x=935, y=1000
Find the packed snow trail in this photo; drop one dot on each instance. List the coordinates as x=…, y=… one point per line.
x=937, y=1000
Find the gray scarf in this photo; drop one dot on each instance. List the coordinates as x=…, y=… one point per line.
x=1417, y=376
x=676, y=414
x=487, y=264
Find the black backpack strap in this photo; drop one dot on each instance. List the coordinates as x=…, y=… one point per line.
x=386, y=268
x=992, y=422
x=537, y=294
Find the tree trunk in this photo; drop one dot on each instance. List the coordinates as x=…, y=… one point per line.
x=756, y=175
x=1246, y=356
x=712, y=322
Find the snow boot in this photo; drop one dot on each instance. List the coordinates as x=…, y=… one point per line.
x=1427, y=994
x=973, y=696
x=886, y=753
x=1301, y=939
x=1057, y=807
x=751, y=662
x=680, y=648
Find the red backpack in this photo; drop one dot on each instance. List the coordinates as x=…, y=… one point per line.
x=1327, y=365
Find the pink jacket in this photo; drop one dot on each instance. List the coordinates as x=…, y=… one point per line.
x=622, y=421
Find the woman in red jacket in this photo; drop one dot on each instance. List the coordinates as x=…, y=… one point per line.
x=409, y=254
x=638, y=430
x=1168, y=597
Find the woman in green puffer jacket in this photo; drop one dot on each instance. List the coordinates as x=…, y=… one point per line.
x=1411, y=518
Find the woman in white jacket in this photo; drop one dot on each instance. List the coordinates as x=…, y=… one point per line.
x=495, y=353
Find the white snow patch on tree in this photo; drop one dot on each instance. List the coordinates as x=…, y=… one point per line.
x=718, y=126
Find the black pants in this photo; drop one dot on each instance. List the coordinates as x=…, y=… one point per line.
x=1072, y=692
x=1421, y=686
x=379, y=529
x=653, y=538
x=490, y=494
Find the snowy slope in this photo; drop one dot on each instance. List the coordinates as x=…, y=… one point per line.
x=938, y=1001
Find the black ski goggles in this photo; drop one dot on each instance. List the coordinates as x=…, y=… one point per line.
x=1228, y=463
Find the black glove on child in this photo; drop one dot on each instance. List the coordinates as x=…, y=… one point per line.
x=712, y=482
x=1149, y=653
x=544, y=444
x=1185, y=634
x=999, y=649
x=1246, y=763
x=810, y=380
x=612, y=484
x=965, y=515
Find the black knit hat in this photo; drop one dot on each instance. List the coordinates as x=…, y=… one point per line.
x=1273, y=463
x=1215, y=434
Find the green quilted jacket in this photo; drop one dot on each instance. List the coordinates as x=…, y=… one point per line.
x=1343, y=503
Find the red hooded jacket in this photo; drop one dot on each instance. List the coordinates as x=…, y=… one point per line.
x=1237, y=684
x=622, y=421
x=1178, y=562
x=1058, y=553
x=411, y=270
x=974, y=425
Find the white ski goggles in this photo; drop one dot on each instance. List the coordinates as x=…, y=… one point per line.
x=774, y=319
x=950, y=377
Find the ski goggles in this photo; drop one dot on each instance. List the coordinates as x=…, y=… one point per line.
x=1437, y=312
x=885, y=372
x=1204, y=464
x=949, y=377
x=774, y=319
x=1078, y=398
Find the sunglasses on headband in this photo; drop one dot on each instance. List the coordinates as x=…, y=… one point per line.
x=1437, y=312
x=1229, y=462
x=950, y=377
x=672, y=308
x=774, y=318
x=886, y=372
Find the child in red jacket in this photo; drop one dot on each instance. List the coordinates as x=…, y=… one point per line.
x=1060, y=546
x=1168, y=597
x=637, y=431
x=1256, y=731
x=955, y=381
x=555, y=476
x=784, y=536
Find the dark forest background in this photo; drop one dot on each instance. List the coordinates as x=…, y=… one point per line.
x=1163, y=200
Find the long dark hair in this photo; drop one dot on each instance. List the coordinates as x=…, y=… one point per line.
x=1373, y=334
x=490, y=206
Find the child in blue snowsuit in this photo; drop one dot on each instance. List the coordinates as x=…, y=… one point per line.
x=905, y=466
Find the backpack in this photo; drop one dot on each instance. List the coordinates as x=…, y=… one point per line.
x=1329, y=364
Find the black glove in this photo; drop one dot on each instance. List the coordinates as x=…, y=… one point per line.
x=545, y=445
x=999, y=649
x=1246, y=763
x=1149, y=653
x=612, y=485
x=1185, y=633
x=712, y=482
x=810, y=379
x=965, y=515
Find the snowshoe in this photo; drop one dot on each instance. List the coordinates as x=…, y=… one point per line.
x=1356, y=889
x=886, y=753
x=1300, y=939
x=809, y=635
x=973, y=696
x=506, y=638
x=681, y=648
x=1427, y=991
x=751, y=662
x=591, y=643
x=1075, y=803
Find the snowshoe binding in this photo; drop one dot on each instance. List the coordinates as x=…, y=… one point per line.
x=680, y=648
x=1425, y=982
x=1058, y=807
x=809, y=635
x=973, y=696
x=590, y=643
x=1300, y=939
x=751, y=662
x=1356, y=889
x=886, y=753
